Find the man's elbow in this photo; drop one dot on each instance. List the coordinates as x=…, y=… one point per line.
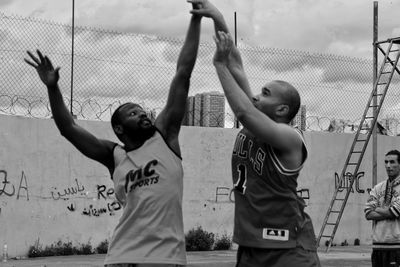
x=369, y=215
x=67, y=130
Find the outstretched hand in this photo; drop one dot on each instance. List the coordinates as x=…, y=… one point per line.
x=224, y=47
x=203, y=8
x=44, y=68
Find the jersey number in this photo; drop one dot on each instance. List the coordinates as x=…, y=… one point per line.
x=240, y=185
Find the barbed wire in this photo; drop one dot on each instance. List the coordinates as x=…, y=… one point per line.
x=112, y=67
x=90, y=109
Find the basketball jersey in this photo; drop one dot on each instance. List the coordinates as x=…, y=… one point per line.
x=268, y=211
x=148, y=183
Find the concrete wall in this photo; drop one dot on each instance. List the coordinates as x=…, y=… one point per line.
x=49, y=191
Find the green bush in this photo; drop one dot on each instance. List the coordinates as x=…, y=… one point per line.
x=223, y=243
x=199, y=240
x=102, y=248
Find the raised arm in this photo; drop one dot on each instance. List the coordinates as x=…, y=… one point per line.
x=85, y=142
x=170, y=119
x=279, y=135
x=235, y=63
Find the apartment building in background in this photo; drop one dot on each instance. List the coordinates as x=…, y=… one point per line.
x=300, y=119
x=206, y=110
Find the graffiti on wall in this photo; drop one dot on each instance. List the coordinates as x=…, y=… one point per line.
x=8, y=189
x=225, y=194
x=107, y=194
x=93, y=210
x=103, y=197
x=346, y=182
x=67, y=193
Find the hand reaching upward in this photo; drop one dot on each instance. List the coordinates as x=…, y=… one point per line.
x=203, y=8
x=44, y=68
x=224, y=47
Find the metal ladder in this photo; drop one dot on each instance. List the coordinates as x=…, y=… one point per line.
x=360, y=142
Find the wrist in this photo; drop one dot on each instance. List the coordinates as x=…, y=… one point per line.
x=197, y=17
x=220, y=64
x=52, y=86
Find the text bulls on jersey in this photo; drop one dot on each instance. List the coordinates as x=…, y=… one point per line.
x=244, y=150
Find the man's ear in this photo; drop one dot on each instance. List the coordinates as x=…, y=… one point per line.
x=282, y=110
x=118, y=129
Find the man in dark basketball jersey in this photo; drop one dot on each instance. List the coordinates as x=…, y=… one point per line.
x=146, y=170
x=270, y=227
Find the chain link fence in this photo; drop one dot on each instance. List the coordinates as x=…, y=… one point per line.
x=110, y=68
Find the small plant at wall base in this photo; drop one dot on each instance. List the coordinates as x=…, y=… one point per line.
x=102, y=248
x=59, y=248
x=223, y=243
x=199, y=240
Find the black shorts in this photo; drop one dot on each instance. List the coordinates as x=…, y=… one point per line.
x=141, y=265
x=385, y=257
x=262, y=257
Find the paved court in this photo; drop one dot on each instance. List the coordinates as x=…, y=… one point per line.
x=349, y=256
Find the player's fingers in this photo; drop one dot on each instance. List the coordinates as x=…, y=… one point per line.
x=228, y=40
x=40, y=55
x=48, y=61
x=194, y=1
x=57, y=70
x=33, y=57
x=222, y=36
x=215, y=39
x=30, y=63
x=196, y=12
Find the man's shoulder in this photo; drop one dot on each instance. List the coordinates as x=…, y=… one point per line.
x=380, y=184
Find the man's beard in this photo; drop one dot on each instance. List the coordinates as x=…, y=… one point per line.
x=141, y=133
x=146, y=133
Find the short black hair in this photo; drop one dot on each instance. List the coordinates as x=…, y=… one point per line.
x=394, y=152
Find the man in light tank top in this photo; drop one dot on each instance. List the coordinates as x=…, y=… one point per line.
x=146, y=170
x=270, y=225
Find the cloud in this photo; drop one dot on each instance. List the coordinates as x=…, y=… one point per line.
x=5, y=2
x=328, y=68
x=123, y=54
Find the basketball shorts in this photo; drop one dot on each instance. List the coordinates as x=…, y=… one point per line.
x=261, y=257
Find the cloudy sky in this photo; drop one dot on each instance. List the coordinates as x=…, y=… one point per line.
x=341, y=28
x=326, y=26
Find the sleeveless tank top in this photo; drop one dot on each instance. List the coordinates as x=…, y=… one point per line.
x=268, y=211
x=148, y=183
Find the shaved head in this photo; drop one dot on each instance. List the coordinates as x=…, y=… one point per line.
x=290, y=96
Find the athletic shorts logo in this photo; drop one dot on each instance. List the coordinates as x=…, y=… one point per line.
x=276, y=234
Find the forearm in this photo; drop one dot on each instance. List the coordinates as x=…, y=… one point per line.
x=379, y=214
x=187, y=56
x=170, y=119
x=375, y=216
x=61, y=115
x=385, y=212
x=235, y=64
x=238, y=100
